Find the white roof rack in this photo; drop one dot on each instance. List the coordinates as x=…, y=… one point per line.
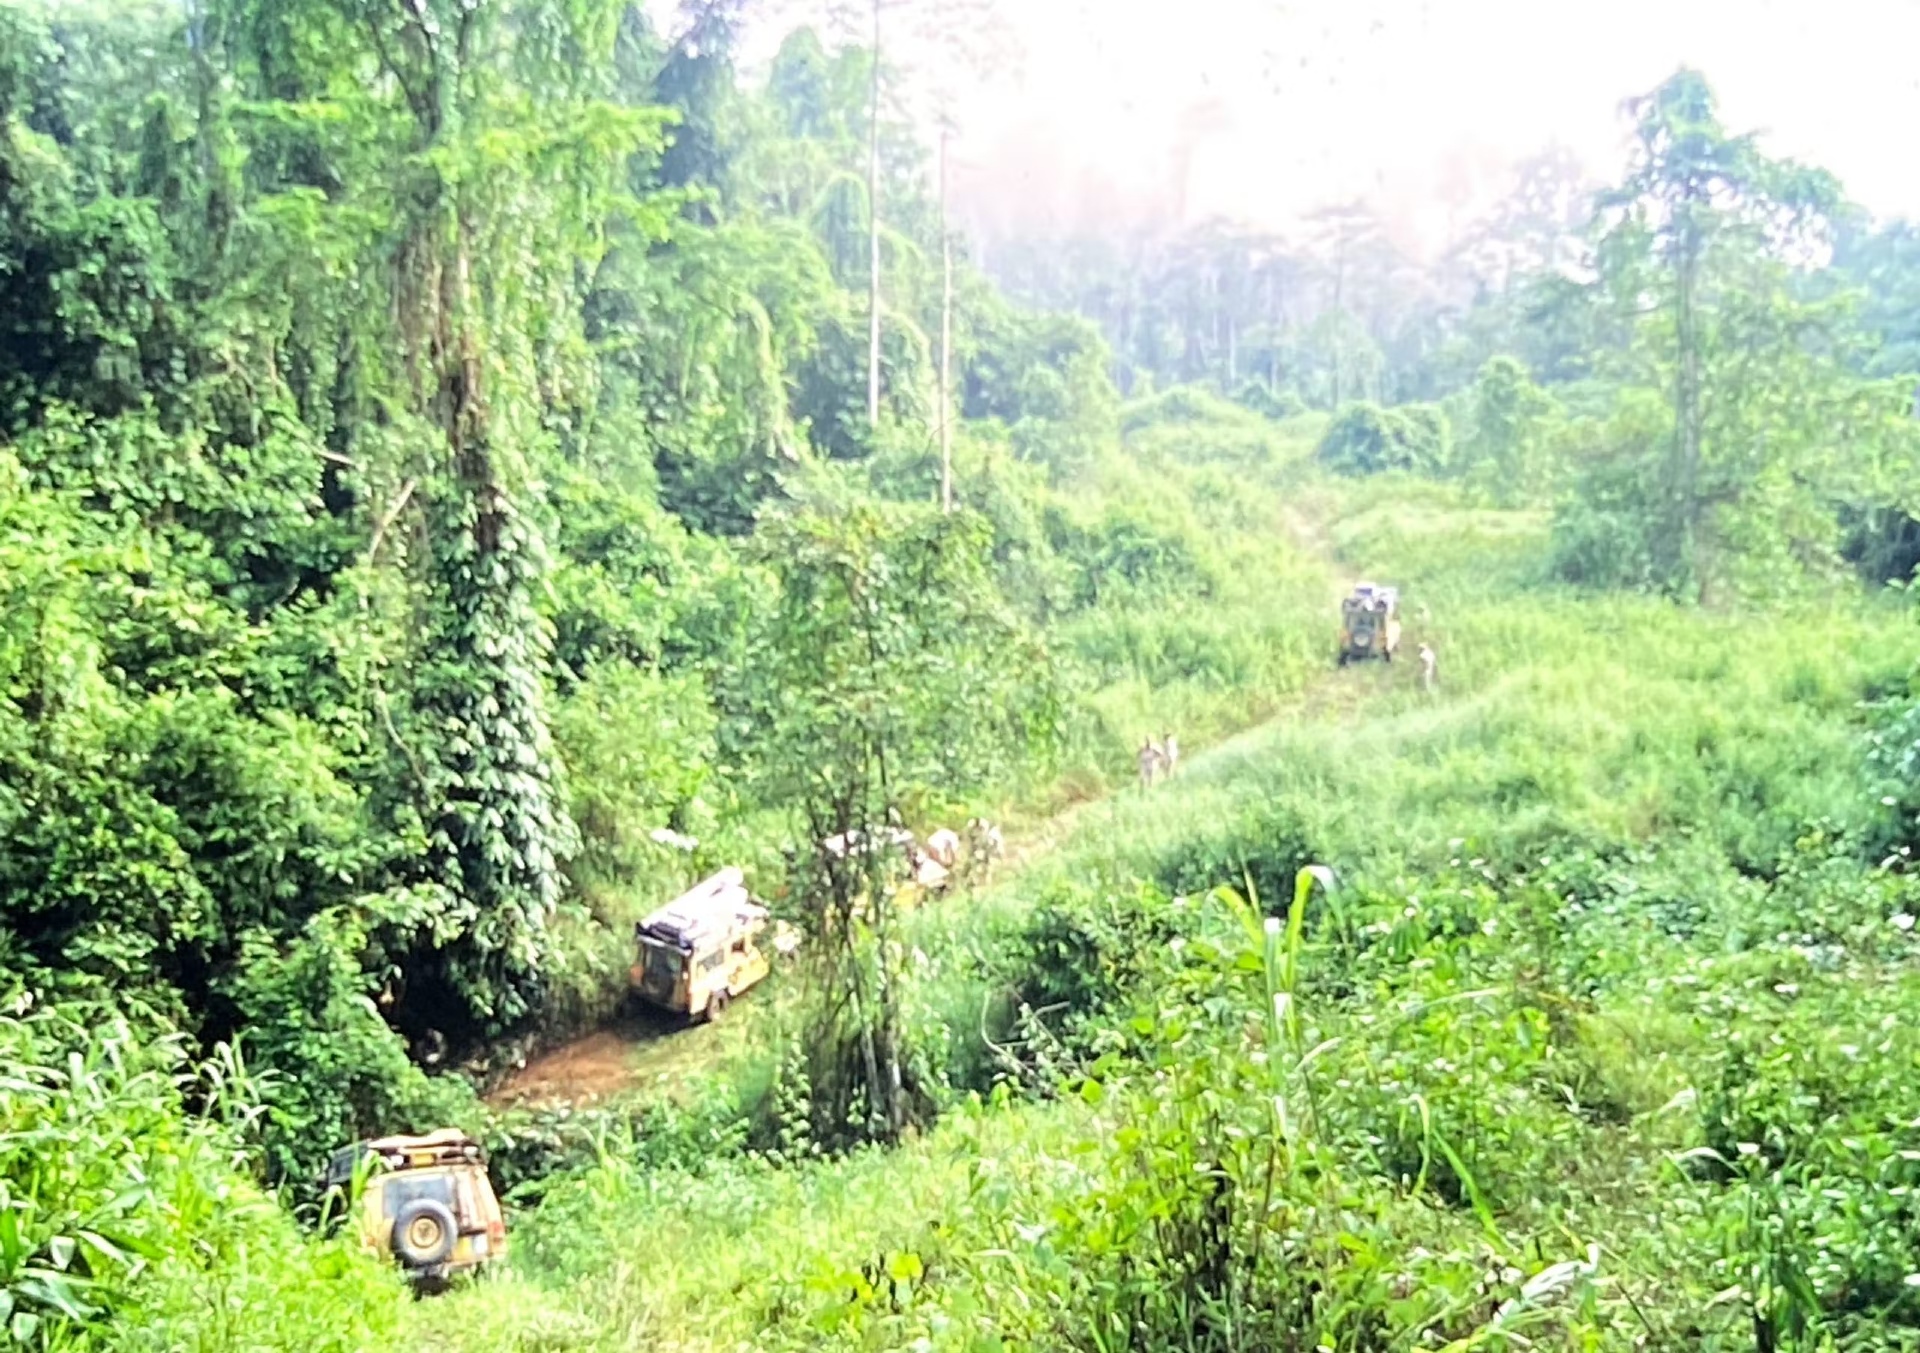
x=707, y=911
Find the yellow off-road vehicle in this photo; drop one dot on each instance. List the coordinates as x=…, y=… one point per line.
x=1369, y=624
x=700, y=950
x=427, y=1203
x=917, y=873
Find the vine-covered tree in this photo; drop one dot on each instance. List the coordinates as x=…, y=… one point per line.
x=1707, y=226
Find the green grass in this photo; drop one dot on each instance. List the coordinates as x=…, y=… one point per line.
x=1576, y=883
x=1209, y=665
x=1602, y=1042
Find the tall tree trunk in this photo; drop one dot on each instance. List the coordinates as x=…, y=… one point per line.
x=1339, y=330
x=1273, y=336
x=202, y=34
x=1685, y=474
x=888, y=1083
x=873, y=230
x=869, y=1045
x=946, y=338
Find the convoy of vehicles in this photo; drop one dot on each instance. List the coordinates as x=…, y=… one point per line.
x=927, y=870
x=426, y=1205
x=701, y=950
x=1369, y=624
x=426, y=1202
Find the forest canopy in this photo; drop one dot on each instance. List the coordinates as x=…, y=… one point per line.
x=393, y=398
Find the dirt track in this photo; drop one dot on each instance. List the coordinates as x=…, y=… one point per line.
x=633, y=1051
x=640, y=1050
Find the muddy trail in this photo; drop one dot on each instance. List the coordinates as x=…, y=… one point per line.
x=653, y=1054
x=640, y=1050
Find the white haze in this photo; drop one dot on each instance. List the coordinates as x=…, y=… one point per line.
x=1161, y=112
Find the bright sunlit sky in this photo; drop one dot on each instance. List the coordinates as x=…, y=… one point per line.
x=1258, y=109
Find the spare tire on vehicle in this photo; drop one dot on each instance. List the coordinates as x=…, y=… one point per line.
x=424, y=1232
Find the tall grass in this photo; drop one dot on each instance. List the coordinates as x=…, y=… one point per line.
x=127, y=1222
x=1600, y=1041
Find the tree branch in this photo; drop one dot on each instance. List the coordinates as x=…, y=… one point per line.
x=381, y=50
x=380, y=529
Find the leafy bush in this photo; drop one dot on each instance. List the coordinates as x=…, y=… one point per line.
x=1505, y=443
x=1084, y=952
x=622, y=562
x=1893, y=754
x=342, y=1073
x=1264, y=845
x=1192, y=425
x=639, y=749
x=1045, y=378
x=1365, y=439
x=1261, y=398
x=1801, y=1119
x=120, y=1213
x=1882, y=541
x=1182, y=405
x=1127, y=548
x=1601, y=530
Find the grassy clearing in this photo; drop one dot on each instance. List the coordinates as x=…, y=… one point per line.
x=1246, y=635
x=1599, y=1044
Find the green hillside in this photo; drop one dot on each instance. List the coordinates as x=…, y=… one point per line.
x=438, y=474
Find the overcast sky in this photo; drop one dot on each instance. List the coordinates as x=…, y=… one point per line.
x=1420, y=104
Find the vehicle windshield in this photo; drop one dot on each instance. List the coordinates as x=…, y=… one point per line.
x=663, y=965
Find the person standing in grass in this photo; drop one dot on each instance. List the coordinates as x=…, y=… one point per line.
x=1429, y=668
x=1170, y=752
x=1150, y=760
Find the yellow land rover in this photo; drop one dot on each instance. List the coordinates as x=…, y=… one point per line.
x=427, y=1205
x=700, y=950
x=1369, y=624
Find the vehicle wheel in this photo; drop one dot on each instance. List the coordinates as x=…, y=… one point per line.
x=717, y=1005
x=423, y=1233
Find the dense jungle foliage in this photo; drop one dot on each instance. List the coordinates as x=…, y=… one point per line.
x=437, y=473
x=407, y=440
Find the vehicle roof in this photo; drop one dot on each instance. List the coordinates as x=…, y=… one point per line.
x=444, y=1138
x=709, y=911
x=443, y=1148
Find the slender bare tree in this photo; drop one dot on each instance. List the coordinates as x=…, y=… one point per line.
x=873, y=228
x=946, y=329
x=935, y=47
